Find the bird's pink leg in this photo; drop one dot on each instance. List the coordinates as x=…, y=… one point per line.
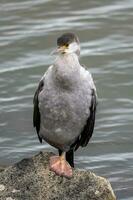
x=60, y=166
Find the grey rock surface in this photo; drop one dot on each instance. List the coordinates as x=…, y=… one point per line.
x=30, y=179
x=2, y=168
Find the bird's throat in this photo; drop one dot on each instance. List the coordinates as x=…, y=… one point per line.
x=66, y=70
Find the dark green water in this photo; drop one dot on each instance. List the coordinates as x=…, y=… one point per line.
x=28, y=32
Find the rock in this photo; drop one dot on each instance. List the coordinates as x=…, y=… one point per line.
x=2, y=168
x=30, y=179
x=2, y=187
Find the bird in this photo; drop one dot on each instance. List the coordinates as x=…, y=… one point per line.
x=64, y=105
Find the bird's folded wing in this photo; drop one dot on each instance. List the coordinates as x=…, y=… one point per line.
x=87, y=130
x=36, y=112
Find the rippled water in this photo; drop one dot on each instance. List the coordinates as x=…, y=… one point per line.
x=28, y=32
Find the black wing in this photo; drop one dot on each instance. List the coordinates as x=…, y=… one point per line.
x=36, y=112
x=87, y=131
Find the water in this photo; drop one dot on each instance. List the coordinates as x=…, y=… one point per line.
x=28, y=32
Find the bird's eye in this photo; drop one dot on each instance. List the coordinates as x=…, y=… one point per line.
x=66, y=45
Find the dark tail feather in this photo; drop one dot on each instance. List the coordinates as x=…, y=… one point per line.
x=69, y=157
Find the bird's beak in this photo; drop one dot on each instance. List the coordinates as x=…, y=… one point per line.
x=61, y=49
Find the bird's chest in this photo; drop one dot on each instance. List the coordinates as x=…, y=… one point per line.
x=63, y=106
x=63, y=115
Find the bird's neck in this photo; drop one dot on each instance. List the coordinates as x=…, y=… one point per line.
x=69, y=60
x=67, y=70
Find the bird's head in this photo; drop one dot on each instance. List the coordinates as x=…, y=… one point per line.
x=68, y=43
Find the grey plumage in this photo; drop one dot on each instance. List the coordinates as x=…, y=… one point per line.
x=65, y=104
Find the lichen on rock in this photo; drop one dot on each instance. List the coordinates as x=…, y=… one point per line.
x=2, y=187
x=33, y=180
